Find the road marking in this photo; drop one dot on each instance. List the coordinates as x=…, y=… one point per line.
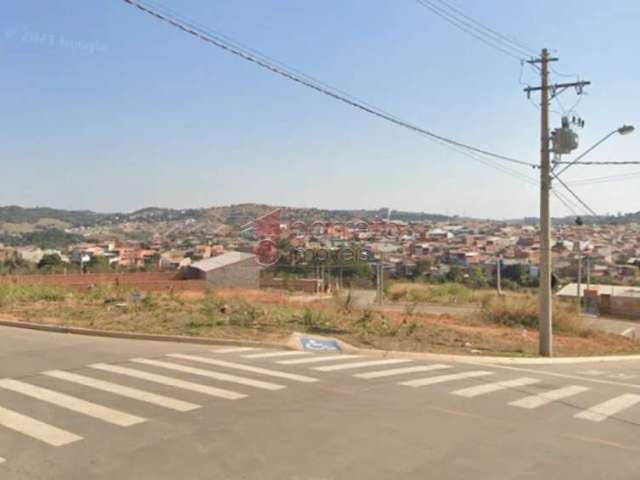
x=628, y=331
x=74, y=404
x=401, y=371
x=170, y=381
x=564, y=375
x=317, y=359
x=246, y=368
x=128, y=392
x=35, y=429
x=2, y=460
x=494, y=387
x=210, y=374
x=369, y=363
x=540, y=399
x=600, y=441
x=604, y=410
x=421, y=382
x=287, y=353
x=235, y=349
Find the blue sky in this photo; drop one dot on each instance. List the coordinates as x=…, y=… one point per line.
x=106, y=108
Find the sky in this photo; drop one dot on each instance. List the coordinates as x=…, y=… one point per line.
x=106, y=108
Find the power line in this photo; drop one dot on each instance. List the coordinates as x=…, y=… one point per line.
x=496, y=166
x=516, y=45
x=605, y=179
x=574, y=195
x=599, y=163
x=476, y=33
x=306, y=81
x=565, y=202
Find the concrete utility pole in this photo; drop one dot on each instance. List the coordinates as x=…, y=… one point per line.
x=380, y=280
x=545, y=305
x=544, y=290
x=499, y=275
x=578, y=296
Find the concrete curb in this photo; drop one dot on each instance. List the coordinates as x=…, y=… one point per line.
x=443, y=357
x=137, y=336
x=294, y=344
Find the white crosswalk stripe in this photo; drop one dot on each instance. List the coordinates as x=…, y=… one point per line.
x=210, y=374
x=369, y=363
x=2, y=460
x=495, y=387
x=288, y=353
x=35, y=429
x=246, y=368
x=401, y=371
x=74, y=404
x=606, y=409
x=169, y=381
x=421, y=382
x=128, y=392
x=317, y=359
x=235, y=349
x=540, y=399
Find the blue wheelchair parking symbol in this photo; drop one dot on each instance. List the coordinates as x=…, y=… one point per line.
x=318, y=345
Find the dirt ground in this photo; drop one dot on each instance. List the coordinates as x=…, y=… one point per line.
x=273, y=316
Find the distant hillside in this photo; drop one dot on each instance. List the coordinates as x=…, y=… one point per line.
x=15, y=214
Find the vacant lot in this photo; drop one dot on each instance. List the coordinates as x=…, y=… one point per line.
x=444, y=294
x=498, y=328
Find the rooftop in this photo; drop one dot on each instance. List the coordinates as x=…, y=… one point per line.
x=229, y=258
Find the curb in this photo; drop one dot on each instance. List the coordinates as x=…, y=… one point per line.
x=137, y=336
x=484, y=360
x=439, y=357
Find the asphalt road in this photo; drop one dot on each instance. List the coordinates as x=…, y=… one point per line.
x=76, y=407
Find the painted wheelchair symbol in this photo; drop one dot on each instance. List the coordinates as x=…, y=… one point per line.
x=320, y=346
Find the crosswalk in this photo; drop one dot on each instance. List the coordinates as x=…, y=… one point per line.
x=392, y=368
x=228, y=374
x=172, y=371
x=122, y=390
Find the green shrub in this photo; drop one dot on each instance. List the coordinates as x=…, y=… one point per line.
x=14, y=293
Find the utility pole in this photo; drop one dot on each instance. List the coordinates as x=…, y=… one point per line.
x=579, y=285
x=380, y=279
x=499, y=275
x=544, y=300
x=547, y=92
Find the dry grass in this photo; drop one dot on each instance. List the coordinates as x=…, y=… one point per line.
x=502, y=327
x=523, y=312
x=443, y=294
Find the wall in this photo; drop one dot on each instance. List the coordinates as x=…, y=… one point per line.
x=307, y=285
x=244, y=274
x=148, y=281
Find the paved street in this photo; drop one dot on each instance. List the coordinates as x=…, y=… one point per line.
x=77, y=407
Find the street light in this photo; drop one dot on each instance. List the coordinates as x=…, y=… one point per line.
x=623, y=130
x=626, y=129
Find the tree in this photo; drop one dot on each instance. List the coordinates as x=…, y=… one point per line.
x=455, y=274
x=98, y=264
x=477, y=278
x=49, y=261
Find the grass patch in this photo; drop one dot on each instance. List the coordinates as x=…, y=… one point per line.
x=15, y=293
x=523, y=312
x=445, y=293
x=495, y=329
